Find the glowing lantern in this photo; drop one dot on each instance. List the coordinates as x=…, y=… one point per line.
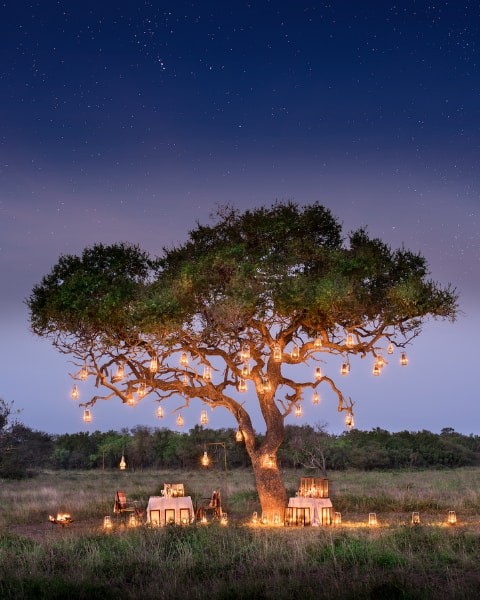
x=160, y=413
x=372, y=520
x=337, y=518
x=119, y=375
x=180, y=421
x=203, y=520
x=107, y=522
x=184, y=359
x=295, y=353
x=255, y=518
x=130, y=398
x=276, y=519
x=242, y=386
x=390, y=348
x=376, y=370
x=315, y=398
x=350, y=340
x=452, y=517
x=245, y=352
x=317, y=344
x=277, y=353
x=318, y=373
x=132, y=520
x=185, y=379
x=87, y=416
x=153, y=365
x=224, y=519
x=404, y=360
x=266, y=385
x=245, y=370
x=123, y=465
x=204, y=417
x=270, y=461
x=349, y=422
x=415, y=518
x=207, y=373
x=205, y=459
x=298, y=411
x=75, y=394
x=345, y=370
x=239, y=436
x=83, y=372
x=142, y=390
x=380, y=360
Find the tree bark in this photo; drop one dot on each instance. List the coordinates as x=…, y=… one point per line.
x=270, y=486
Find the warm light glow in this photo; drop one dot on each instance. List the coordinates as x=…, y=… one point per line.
x=317, y=344
x=185, y=379
x=380, y=360
x=315, y=398
x=160, y=412
x=349, y=422
x=204, y=417
x=239, y=436
x=205, y=459
x=184, y=360
x=207, y=373
x=132, y=521
x=130, y=398
x=203, y=520
x=318, y=373
x=337, y=518
x=180, y=421
x=270, y=461
x=224, y=519
x=415, y=518
x=276, y=519
x=266, y=385
x=277, y=353
x=452, y=517
x=298, y=411
x=372, y=520
x=242, y=386
x=345, y=368
x=153, y=365
x=75, y=394
x=255, y=518
x=404, y=360
x=245, y=352
x=87, y=416
x=350, y=340
x=390, y=348
x=295, y=353
x=142, y=390
x=119, y=375
x=123, y=465
x=376, y=370
x=83, y=372
x=246, y=370
x=107, y=522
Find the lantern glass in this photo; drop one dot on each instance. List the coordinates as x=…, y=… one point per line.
x=205, y=459
x=107, y=522
x=180, y=421
x=298, y=411
x=185, y=379
x=83, y=372
x=372, y=519
x=207, y=373
x=317, y=344
x=318, y=373
x=120, y=374
x=349, y=422
x=404, y=359
x=376, y=369
x=245, y=370
x=337, y=518
x=184, y=359
x=345, y=369
x=266, y=385
x=153, y=365
x=245, y=352
x=204, y=417
x=242, y=386
x=452, y=517
x=160, y=412
x=87, y=416
x=315, y=398
x=350, y=340
x=390, y=348
x=123, y=465
x=239, y=436
x=277, y=353
x=415, y=518
x=295, y=354
x=75, y=394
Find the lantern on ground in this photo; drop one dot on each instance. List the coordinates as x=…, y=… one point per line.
x=315, y=398
x=204, y=417
x=337, y=518
x=160, y=412
x=107, y=522
x=87, y=416
x=372, y=520
x=255, y=518
x=452, y=517
x=224, y=519
x=75, y=394
x=276, y=519
x=277, y=353
x=404, y=359
x=295, y=353
x=184, y=359
x=132, y=520
x=415, y=518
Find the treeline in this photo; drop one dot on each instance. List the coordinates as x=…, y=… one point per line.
x=24, y=451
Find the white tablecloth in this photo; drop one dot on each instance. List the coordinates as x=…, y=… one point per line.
x=161, y=503
x=314, y=504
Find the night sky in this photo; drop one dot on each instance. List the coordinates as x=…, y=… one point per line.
x=130, y=121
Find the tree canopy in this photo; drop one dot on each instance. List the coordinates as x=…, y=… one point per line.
x=242, y=298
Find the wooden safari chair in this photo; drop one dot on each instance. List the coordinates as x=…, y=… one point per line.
x=211, y=505
x=124, y=507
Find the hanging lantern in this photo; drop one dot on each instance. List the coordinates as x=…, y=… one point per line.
x=242, y=386
x=372, y=520
x=130, y=398
x=239, y=436
x=83, y=372
x=390, y=348
x=345, y=370
x=404, y=359
x=75, y=394
x=180, y=421
x=153, y=367
x=142, y=390
x=295, y=353
x=184, y=359
x=317, y=344
x=452, y=517
x=318, y=373
x=380, y=360
x=123, y=465
x=266, y=385
x=207, y=373
x=277, y=353
x=245, y=352
x=245, y=370
x=204, y=417
x=205, y=459
x=349, y=422
x=298, y=411
x=350, y=340
x=185, y=379
x=160, y=413
x=87, y=416
x=119, y=375
x=315, y=398
x=376, y=370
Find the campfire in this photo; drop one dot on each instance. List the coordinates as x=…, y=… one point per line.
x=61, y=519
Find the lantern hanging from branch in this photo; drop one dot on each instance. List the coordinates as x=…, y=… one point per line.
x=390, y=348
x=75, y=394
x=350, y=340
x=204, y=417
x=376, y=369
x=277, y=353
x=180, y=421
x=349, y=422
x=239, y=436
x=266, y=385
x=245, y=352
x=205, y=459
x=245, y=370
x=318, y=373
x=160, y=412
x=317, y=344
x=184, y=359
x=345, y=368
x=298, y=411
x=123, y=464
x=83, y=372
x=142, y=389
x=207, y=373
x=185, y=379
x=120, y=374
x=242, y=386
x=87, y=416
x=295, y=353
x=404, y=359
x=315, y=398
x=153, y=367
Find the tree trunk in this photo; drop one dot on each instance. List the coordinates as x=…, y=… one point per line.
x=270, y=487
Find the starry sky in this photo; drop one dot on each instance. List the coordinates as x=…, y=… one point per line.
x=131, y=121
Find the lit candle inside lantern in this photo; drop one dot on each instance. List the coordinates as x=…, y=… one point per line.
x=295, y=354
x=242, y=386
x=87, y=416
x=415, y=518
x=315, y=398
x=345, y=368
x=298, y=411
x=404, y=359
x=160, y=412
x=75, y=394
x=452, y=517
x=318, y=373
x=317, y=344
x=153, y=365
x=83, y=373
x=205, y=459
x=207, y=373
x=107, y=522
x=277, y=353
x=180, y=421
x=390, y=348
x=349, y=422
x=204, y=417
x=184, y=359
x=372, y=519
x=350, y=340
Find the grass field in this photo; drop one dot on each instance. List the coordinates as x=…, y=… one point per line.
x=394, y=560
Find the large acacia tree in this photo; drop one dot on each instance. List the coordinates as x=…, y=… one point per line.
x=234, y=306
